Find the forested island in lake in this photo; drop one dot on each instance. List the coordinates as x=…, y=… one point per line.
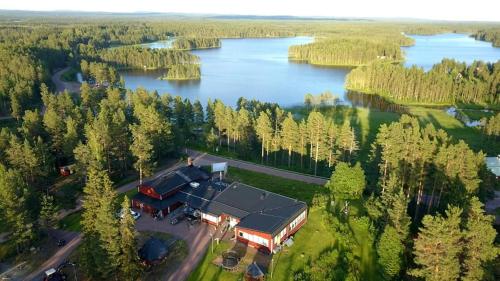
x=397, y=186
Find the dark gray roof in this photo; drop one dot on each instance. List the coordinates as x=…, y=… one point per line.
x=153, y=250
x=254, y=270
x=257, y=209
x=175, y=180
x=156, y=203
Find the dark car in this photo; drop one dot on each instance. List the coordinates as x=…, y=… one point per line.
x=177, y=218
x=193, y=219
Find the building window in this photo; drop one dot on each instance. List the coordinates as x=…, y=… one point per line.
x=254, y=238
x=297, y=220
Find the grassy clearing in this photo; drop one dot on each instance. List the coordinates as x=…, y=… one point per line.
x=291, y=188
x=71, y=222
x=455, y=128
x=70, y=75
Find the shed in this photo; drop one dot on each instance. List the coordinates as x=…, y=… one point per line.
x=153, y=251
x=254, y=273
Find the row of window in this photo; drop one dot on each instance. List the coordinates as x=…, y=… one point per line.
x=254, y=238
x=297, y=220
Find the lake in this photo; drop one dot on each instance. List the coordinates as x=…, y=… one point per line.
x=260, y=69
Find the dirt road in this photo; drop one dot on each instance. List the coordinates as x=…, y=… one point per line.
x=72, y=87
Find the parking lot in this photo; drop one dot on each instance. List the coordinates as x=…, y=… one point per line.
x=197, y=237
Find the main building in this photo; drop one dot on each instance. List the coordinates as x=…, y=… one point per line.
x=260, y=218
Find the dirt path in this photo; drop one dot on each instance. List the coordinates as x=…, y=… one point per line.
x=72, y=87
x=203, y=159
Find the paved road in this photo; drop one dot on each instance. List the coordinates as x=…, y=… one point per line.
x=72, y=87
x=203, y=159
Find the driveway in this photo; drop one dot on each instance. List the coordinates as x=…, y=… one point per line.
x=204, y=159
x=197, y=238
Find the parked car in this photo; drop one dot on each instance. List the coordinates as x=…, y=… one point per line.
x=177, y=218
x=193, y=219
x=134, y=214
x=53, y=275
x=61, y=243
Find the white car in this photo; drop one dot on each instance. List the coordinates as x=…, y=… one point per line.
x=134, y=214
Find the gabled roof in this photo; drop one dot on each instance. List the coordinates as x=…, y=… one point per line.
x=177, y=179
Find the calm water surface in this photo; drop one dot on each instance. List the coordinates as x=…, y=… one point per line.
x=429, y=50
x=260, y=69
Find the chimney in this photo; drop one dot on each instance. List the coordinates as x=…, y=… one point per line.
x=190, y=161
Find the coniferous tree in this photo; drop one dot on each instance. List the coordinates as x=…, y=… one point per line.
x=142, y=149
x=48, y=211
x=128, y=259
x=14, y=195
x=479, y=237
x=100, y=226
x=264, y=131
x=438, y=246
x=290, y=136
x=390, y=251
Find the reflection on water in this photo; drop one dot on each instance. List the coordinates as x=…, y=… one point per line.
x=259, y=68
x=374, y=102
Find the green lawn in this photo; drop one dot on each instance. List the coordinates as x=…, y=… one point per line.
x=71, y=222
x=291, y=188
x=70, y=75
x=441, y=120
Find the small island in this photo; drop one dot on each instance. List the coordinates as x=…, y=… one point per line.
x=196, y=43
x=183, y=72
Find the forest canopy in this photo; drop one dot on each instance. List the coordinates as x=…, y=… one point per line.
x=196, y=43
x=447, y=82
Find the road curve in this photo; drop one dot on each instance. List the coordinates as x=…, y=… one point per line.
x=72, y=87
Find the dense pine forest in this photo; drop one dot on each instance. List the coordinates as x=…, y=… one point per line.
x=183, y=72
x=490, y=35
x=418, y=188
x=138, y=57
x=448, y=82
x=196, y=43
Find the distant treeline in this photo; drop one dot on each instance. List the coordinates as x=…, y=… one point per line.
x=183, y=72
x=490, y=35
x=447, y=82
x=351, y=52
x=196, y=43
x=138, y=57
